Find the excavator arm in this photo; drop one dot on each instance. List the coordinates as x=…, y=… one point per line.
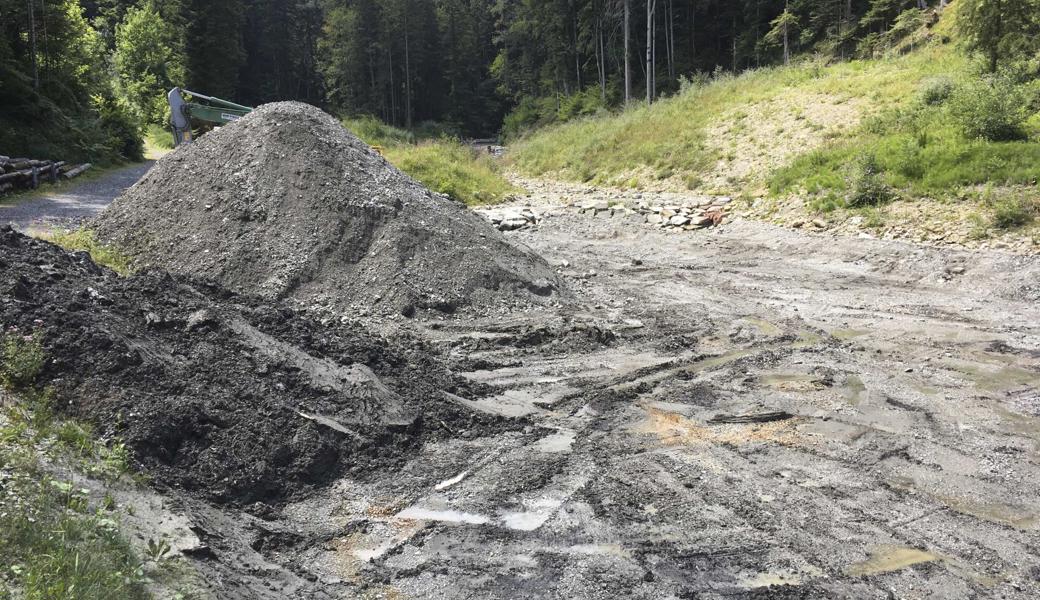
x=202, y=108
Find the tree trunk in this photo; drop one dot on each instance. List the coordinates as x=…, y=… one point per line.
x=734, y=44
x=671, y=39
x=602, y=61
x=787, y=51
x=32, y=42
x=787, y=48
x=693, y=31
x=628, y=53
x=577, y=53
x=651, y=7
x=407, y=76
x=393, y=90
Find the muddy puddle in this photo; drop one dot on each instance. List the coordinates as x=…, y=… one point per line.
x=886, y=559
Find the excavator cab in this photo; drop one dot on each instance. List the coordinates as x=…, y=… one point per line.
x=206, y=109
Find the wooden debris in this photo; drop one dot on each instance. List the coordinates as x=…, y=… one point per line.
x=77, y=171
x=764, y=417
x=27, y=173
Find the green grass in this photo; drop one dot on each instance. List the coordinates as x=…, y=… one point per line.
x=84, y=240
x=56, y=543
x=671, y=135
x=441, y=163
x=158, y=141
x=450, y=168
x=919, y=151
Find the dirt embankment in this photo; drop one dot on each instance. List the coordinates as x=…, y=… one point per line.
x=229, y=397
x=286, y=203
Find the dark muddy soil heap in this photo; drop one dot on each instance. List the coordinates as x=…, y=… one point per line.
x=289, y=204
x=230, y=397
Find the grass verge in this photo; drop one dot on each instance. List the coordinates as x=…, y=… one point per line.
x=158, y=142
x=441, y=163
x=450, y=168
x=84, y=240
x=56, y=543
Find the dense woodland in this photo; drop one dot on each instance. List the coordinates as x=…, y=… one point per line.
x=83, y=76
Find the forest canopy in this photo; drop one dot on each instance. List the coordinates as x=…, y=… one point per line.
x=79, y=78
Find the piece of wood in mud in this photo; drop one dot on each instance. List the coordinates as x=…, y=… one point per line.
x=74, y=172
x=763, y=417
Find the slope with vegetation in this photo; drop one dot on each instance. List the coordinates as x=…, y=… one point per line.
x=58, y=540
x=438, y=160
x=930, y=125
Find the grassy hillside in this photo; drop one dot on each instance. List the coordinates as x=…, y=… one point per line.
x=925, y=127
x=722, y=133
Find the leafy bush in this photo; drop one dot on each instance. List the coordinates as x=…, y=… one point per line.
x=1009, y=213
x=159, y=137
x=122, y=128
x=867, y=186
x=534, y=113
x=993, y=108
x=21, y=357
x=937, y=91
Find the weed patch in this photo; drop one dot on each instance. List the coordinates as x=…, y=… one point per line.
x=84, y=240
x=56, y=545
x=1012, y=212
x=437, y=160
x=21, y=357
x=450, y=168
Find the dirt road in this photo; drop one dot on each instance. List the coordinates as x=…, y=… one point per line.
x=744, y=412
x=71, y=203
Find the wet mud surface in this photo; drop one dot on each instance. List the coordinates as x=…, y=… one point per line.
x=748, y=412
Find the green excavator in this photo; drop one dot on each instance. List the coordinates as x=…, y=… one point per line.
x=206, y=109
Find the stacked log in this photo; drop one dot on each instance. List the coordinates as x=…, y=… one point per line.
x=28, y=173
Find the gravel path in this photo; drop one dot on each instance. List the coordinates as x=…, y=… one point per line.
x=73, y=203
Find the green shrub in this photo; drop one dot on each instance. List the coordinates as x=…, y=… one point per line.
x=21, y=357
x=937, y=91
x=994, y=109
x=122, y=128
x=867, y=187
x=159, y=137
x=1012, y=212
x=827, y=203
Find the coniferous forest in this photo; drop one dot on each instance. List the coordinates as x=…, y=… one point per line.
x=86, y=75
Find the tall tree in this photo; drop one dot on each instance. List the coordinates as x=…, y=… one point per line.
x=213, y=43
x=1000, y=29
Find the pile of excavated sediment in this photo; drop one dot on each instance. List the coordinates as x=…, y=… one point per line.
x=286, y=203
x=226, y=396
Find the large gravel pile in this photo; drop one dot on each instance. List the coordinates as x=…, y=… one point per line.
x=226, y=396
x=287, y=203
